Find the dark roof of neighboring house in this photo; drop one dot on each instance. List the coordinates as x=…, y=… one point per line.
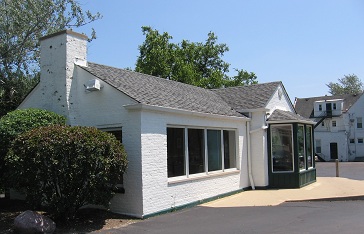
x=151, y=90
x=248, y=97
x=281, y=115
x=304, y=106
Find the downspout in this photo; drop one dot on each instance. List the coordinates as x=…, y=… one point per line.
x=250, y=175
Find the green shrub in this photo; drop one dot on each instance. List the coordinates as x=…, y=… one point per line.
x=65, y=168
x=19, y=121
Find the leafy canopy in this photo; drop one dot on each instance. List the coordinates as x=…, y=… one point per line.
x=198, y=64
x=349, y=84
x=65, y=168
x=22, y=23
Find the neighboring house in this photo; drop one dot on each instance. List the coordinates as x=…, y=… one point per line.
x=185, y=144
x=339, y=130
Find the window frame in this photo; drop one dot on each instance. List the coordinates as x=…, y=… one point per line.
x=292, y=149
x=206, y=171
x=333, y=123
x=304, y=153
x=359, y=122
x=117, y=132
x=309, y=150
x=318, y=146
x=360, y=140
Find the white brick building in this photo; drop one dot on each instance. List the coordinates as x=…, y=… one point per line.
x=339, y=132
x=185, y=144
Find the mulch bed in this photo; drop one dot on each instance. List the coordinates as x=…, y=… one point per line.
x=87, y=220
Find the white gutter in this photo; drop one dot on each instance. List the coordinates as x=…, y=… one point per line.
x=250, y=175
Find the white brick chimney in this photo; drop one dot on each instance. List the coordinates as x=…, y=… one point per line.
x=58, y=54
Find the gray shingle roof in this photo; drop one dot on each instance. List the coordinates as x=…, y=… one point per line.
x=281, y=115
x=161, y=92
x=248, y=97
x=304, y=106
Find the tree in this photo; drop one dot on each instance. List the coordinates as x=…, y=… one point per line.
x=64, y=168
x=17, y=122
x=349, y=84
x=22, y=23
x=198, y=64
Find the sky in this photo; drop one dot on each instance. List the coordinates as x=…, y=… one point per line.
x=304, y=43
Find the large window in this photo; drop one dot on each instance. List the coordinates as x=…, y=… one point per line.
x=196, y=151
x=214, y=150
x=193, y=150
x=282, y=148
x=229, y=149
x=309, y=146
x=176, y=152
x=301, y=147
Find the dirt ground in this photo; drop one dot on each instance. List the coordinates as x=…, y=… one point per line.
x=87, y=220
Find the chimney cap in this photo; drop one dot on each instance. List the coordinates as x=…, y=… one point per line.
x=70, y=32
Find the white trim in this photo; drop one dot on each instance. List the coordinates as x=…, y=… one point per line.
x=202, y=176
x=291, y=121
x=206, y=173
x=292, y=142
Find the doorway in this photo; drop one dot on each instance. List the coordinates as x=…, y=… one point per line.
x=328, y=109
x=333, y=150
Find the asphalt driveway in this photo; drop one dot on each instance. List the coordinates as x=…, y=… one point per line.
x=344, y=216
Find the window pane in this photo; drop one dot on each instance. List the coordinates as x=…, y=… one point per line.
x=214, y=150
x=281, y=145
x=309, y=146
x=301, y=147
x=318, y=146
x=175, y=152
x=196, y=151
x=359, y=122
x=229, y=149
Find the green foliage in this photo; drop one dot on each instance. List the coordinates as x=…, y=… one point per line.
x=349, y=84
x=13, y=91
x=20, y=121
x=198, y=64
x=22, y=23
x=65, y=168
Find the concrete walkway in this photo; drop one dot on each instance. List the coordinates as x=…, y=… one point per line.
x=327, y=188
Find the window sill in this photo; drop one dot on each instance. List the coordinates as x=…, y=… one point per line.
x=201, y=176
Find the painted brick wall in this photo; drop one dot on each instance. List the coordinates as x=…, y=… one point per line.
x=259, y=152
x=158, y=193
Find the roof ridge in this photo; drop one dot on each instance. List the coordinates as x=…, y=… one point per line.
x=333, y=96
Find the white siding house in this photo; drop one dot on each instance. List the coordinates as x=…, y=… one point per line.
x=339, y=131
x=184, y=144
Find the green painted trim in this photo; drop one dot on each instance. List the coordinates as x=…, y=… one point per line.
x=192, y=204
